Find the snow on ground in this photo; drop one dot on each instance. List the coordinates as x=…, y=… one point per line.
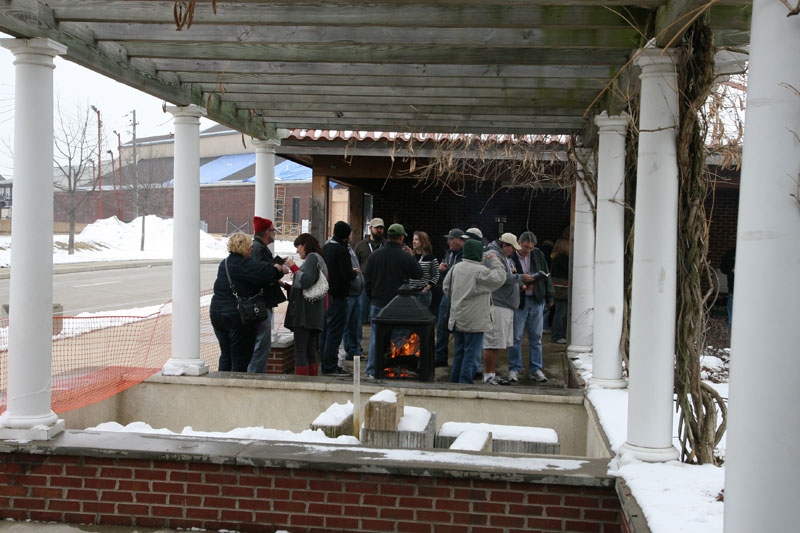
x=675, y=497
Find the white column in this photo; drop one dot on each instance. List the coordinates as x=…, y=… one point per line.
x=652, y=345
x=763, y=454
x=609, y=253
x=582, y=290
x=265, y=179
x=185, y=358
x=30, y=329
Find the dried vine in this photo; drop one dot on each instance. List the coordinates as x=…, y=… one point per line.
x=503, y=162
x=698, y=403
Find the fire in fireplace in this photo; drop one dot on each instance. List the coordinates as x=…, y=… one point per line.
x=404, y=344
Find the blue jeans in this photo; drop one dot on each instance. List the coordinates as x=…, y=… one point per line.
x=335, y=317
x=373, y=310
x=424, y=298
x=258, y=364
x=527, y=319
x=467, y=348
x=352, y=328
x=558, y=329
x=365, y=305
x=442, y=333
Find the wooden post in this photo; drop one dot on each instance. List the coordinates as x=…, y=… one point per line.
x=319, y=207
x=356, y=214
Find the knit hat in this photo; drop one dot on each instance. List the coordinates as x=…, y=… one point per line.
x=261, y=225
x=341, y=230
x=472, y=250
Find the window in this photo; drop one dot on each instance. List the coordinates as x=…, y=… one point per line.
x=295, y=210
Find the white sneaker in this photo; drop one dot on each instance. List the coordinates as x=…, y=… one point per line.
x=539, y=376
x=513, y=376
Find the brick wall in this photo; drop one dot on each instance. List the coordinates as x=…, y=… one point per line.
x=179, y=494
x=723, y=210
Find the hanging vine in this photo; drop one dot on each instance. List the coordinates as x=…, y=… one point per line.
x=698, y=403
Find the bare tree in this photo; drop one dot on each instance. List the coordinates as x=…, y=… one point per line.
x=148, y=184
x=74, y=152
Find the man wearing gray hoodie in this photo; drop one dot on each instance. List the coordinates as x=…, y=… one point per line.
x=505, y=300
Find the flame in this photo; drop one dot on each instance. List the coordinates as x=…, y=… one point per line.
x=409, y=348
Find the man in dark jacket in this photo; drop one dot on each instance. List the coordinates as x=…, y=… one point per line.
x=385, y=271
x=340, y=274
x=273, y=295
x=363, y=250
x=533, y=298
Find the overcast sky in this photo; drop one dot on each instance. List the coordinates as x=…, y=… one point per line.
x=75, y=86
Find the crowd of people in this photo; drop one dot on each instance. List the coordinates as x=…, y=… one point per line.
x=486, y=294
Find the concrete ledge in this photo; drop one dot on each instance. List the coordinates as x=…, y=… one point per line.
x=631, y=512
x=332, y=384
x=563, y=470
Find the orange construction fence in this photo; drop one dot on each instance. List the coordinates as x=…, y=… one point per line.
x=97, y=357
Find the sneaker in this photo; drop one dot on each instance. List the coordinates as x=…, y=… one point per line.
x=494, y=380
x=351, y=357
x=337, y=372
x=369, y=377
x=513, y=376
x=561, y=341
x=539, y=376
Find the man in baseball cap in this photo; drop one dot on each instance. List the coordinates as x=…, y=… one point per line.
x=453, y=256
x=263, y=235
x=363, y=250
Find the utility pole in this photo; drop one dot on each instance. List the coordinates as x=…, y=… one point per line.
x=99, y=162
x=135, y=167
x=120, y=201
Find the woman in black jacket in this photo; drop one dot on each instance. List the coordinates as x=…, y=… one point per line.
x=305, y=317
x=236, y=340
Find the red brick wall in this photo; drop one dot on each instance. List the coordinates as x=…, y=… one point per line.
x=178, y=494
x=723, y=210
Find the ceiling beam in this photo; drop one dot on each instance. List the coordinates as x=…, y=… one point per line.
x=407, y=53
x=585, y=37
x=353, y=14
x=232, y=80
x=334, y=68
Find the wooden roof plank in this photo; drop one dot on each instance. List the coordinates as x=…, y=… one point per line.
x=490, y=37
x=407, y=53
x=490, y=14
x=417, y=70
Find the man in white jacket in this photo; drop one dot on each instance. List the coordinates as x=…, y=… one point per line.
x=468, y=286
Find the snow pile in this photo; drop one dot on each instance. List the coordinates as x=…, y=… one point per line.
x=500, y=432
x=386, y=396
x=471, y=440
x=673, y=496
x=249, y=433
x=413, y=419
x=334, y=415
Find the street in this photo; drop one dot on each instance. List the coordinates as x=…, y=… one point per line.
x=108, y=290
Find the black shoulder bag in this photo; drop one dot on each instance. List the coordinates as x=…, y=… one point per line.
x=251, y=310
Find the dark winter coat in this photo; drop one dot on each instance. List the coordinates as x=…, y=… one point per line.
x=387, y=269
x=543, y=288
x=340, y=269
x=273, y=295
x=248, y=278
x=301, y=313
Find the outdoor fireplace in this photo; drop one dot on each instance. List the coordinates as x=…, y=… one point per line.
x=404, y=339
